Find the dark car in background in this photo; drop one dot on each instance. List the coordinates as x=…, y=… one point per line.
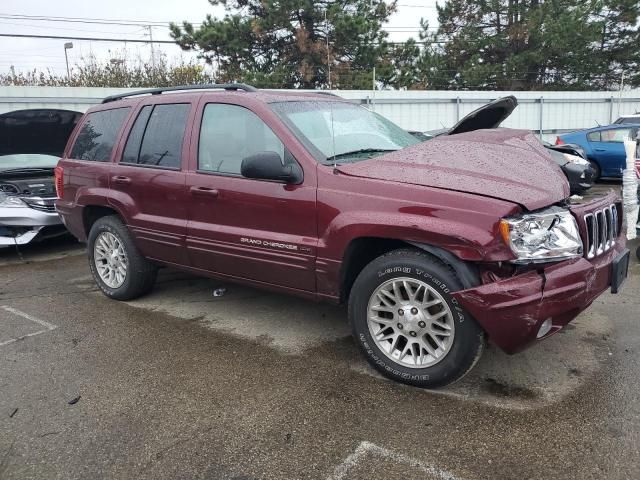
x=604, y=147
x=433, y=246
x=570, y=158
x=31, y=143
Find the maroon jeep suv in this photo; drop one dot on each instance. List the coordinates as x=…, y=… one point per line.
x=434, y=246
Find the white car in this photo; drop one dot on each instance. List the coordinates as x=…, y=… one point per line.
x=632, y=118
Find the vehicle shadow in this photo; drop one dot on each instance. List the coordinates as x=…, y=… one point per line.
x=49, y=249
x=542, y=375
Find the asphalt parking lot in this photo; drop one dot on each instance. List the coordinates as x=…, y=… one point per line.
x=184, y=384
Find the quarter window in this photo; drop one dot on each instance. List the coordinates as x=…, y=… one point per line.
x=593, y=136
x=229, y=134
x=157, y=136
x=98, y=135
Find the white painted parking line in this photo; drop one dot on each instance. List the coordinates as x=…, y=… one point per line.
x=368, y=448
x=47, y=326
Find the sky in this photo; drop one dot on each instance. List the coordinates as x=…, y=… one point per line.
x=42, y=54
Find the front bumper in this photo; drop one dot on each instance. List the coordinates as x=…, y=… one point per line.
x=20, y=225
x=580, y=177
x=512, y=310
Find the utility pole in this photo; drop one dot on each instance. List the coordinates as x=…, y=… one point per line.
x=326, y=27
x=67, y=46
x=373, y=95
x=620, y=93
x=153, y=56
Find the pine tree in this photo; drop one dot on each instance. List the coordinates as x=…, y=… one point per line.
x=535, y=44
x=283, y=43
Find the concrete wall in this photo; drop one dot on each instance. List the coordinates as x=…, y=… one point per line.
x=549, y=112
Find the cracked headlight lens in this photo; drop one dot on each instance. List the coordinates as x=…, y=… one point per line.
x=10, y=201
x=575, y=159
x=543, y=236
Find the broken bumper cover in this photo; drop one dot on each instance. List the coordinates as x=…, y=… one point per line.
x=20, y=225
x=512, y=310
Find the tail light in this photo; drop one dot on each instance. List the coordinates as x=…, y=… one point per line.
x=59, y=173
x=559, y=141
x=638, y=167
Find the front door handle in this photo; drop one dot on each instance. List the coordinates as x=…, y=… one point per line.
x=204, y=192
x=121, y=180
x=600, y=149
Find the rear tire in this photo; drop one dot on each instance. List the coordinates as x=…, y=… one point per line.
x=118, y=268
x=408, y=325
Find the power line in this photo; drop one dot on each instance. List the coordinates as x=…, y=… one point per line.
x=85, y=20
x=90, y=39
x=137, y=40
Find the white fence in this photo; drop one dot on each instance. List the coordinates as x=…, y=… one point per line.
x=547, y=113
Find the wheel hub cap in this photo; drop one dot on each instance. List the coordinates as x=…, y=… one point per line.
x=110, y=259
x=410, y=322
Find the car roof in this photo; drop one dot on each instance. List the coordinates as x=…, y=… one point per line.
x=614, y=126
x=264, y=96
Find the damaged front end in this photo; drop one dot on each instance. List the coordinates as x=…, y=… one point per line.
x=535, y=301
x=25, y=219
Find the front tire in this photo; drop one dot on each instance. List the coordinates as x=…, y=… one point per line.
x=118, y=268
x=408, y=325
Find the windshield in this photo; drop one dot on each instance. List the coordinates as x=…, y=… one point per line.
x=339, y=130
x=27, y=160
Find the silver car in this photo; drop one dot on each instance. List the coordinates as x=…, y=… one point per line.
x=31, y=143
x=27, y=196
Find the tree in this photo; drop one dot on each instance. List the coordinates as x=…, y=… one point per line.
x=288, y=44
x=120, y=73
x=534, y=44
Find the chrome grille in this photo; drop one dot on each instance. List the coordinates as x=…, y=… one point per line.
x=602, y=230
x=40, y=204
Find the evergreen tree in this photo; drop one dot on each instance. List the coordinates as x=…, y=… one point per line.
x=535, y=44
x=283, y=43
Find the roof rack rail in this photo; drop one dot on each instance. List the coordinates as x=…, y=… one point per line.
x=158, y=91
x=325, y=92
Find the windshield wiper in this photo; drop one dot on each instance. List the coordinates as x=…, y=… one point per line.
x=362, y=150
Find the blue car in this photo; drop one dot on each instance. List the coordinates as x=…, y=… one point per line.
x=604, y=147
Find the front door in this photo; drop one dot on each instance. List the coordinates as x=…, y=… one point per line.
x=148, y=183
x=609, y=150
x=258, y=230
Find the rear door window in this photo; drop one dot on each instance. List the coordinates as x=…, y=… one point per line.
x=157, y=136
x=98, y=135
x=619, y=135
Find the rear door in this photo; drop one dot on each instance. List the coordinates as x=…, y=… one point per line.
x=608, y=149
x=258, y=230
x=148, y=182
x=87, y=164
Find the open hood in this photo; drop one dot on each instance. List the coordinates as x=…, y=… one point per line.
x=41, y=131
x=503, y=163
x=490, y=115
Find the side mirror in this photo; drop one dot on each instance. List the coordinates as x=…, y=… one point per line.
x=268, y=166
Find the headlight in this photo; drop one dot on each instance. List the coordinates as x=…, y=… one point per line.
x=10, y=201
x=575, y=159
x=543, y=236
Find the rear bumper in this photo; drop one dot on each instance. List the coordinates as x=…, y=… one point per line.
x=512, y=311
x=20, y=225
x=72, y=217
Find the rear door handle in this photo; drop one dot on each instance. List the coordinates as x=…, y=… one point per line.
x=600, y=149
x=121, y=180
x=204, y=192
